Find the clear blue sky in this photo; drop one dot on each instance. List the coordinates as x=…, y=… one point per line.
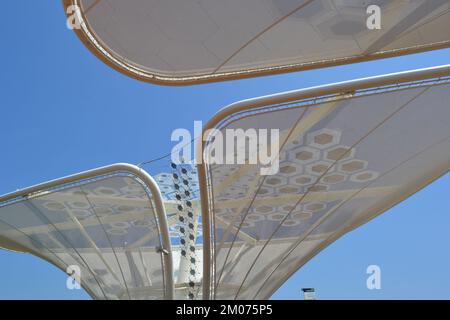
x=64, y=111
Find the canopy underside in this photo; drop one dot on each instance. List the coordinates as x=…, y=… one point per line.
x=106, y=226
x=190, y=41
x=343, y=160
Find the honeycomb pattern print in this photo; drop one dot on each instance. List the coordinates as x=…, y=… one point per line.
x=314, y=163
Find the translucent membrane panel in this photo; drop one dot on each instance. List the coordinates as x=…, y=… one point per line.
x=190, y=41
x=106, y=227
x=342, y=161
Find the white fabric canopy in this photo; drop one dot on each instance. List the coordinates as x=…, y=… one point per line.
x=348, y=152
x=346, y=156
x=107, y=222
x=190, y=41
